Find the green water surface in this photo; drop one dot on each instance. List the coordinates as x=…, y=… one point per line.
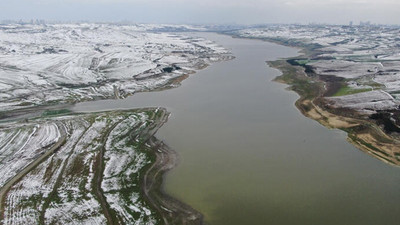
x=248, y=156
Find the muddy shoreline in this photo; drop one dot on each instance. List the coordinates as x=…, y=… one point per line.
x=168, y=209
x=367, y=134
x=363, y=133
x=165, y=208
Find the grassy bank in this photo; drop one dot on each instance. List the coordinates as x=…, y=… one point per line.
x=362, y=131
x=103, y=167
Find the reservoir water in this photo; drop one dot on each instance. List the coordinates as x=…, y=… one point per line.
x=248, y=156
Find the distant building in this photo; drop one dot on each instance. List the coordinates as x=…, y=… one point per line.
x=351, y=23
x=366, y=24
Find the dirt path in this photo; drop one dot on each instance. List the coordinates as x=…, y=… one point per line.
x=98, y=178
x=171, y=210
x=364, y=134
x=57, y=183
x=4, y=190
x=168, y=208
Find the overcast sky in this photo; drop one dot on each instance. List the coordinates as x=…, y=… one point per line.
x=205, y=11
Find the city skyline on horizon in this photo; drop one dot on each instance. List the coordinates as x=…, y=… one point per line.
x=206, y=11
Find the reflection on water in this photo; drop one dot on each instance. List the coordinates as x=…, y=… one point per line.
x=248, y=156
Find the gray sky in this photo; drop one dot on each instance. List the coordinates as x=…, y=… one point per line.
x=205, y=11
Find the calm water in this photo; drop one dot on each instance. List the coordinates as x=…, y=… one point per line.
x=249, y=157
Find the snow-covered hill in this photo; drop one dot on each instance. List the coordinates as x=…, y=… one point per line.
x=59, y=63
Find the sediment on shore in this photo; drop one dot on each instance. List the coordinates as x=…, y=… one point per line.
x=363, y=132
x=169, y=209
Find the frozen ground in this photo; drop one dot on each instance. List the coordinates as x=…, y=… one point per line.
x=367, y=57
x=42, y=64
x=66, y=187
x=85, y=168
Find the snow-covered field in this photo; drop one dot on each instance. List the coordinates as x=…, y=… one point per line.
x=85, y=168
x=20, y=144
x=367, y=102
x=64, y=187
x=58, y=63
x=368, y=57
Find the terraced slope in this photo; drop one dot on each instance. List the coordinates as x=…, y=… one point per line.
x=348, y=78
x=83, y=168
x=67, y=63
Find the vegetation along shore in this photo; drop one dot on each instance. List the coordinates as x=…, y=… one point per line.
x=345, y=81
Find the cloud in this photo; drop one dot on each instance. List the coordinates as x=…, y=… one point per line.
x=205, y=11
x=340, y=2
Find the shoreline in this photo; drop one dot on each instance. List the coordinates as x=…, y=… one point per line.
x=36, y=111
x=364, y=133
x=163, y=208
x=360, y=133
x=169, y=209
x=166, y=208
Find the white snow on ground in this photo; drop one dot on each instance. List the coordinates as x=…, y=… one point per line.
x=122, y=171
x=367, y=57
x=367, y=101
x=76, y=62
x=22, y=145
x=345, y=69
x=60, y=189
x=86, y=211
